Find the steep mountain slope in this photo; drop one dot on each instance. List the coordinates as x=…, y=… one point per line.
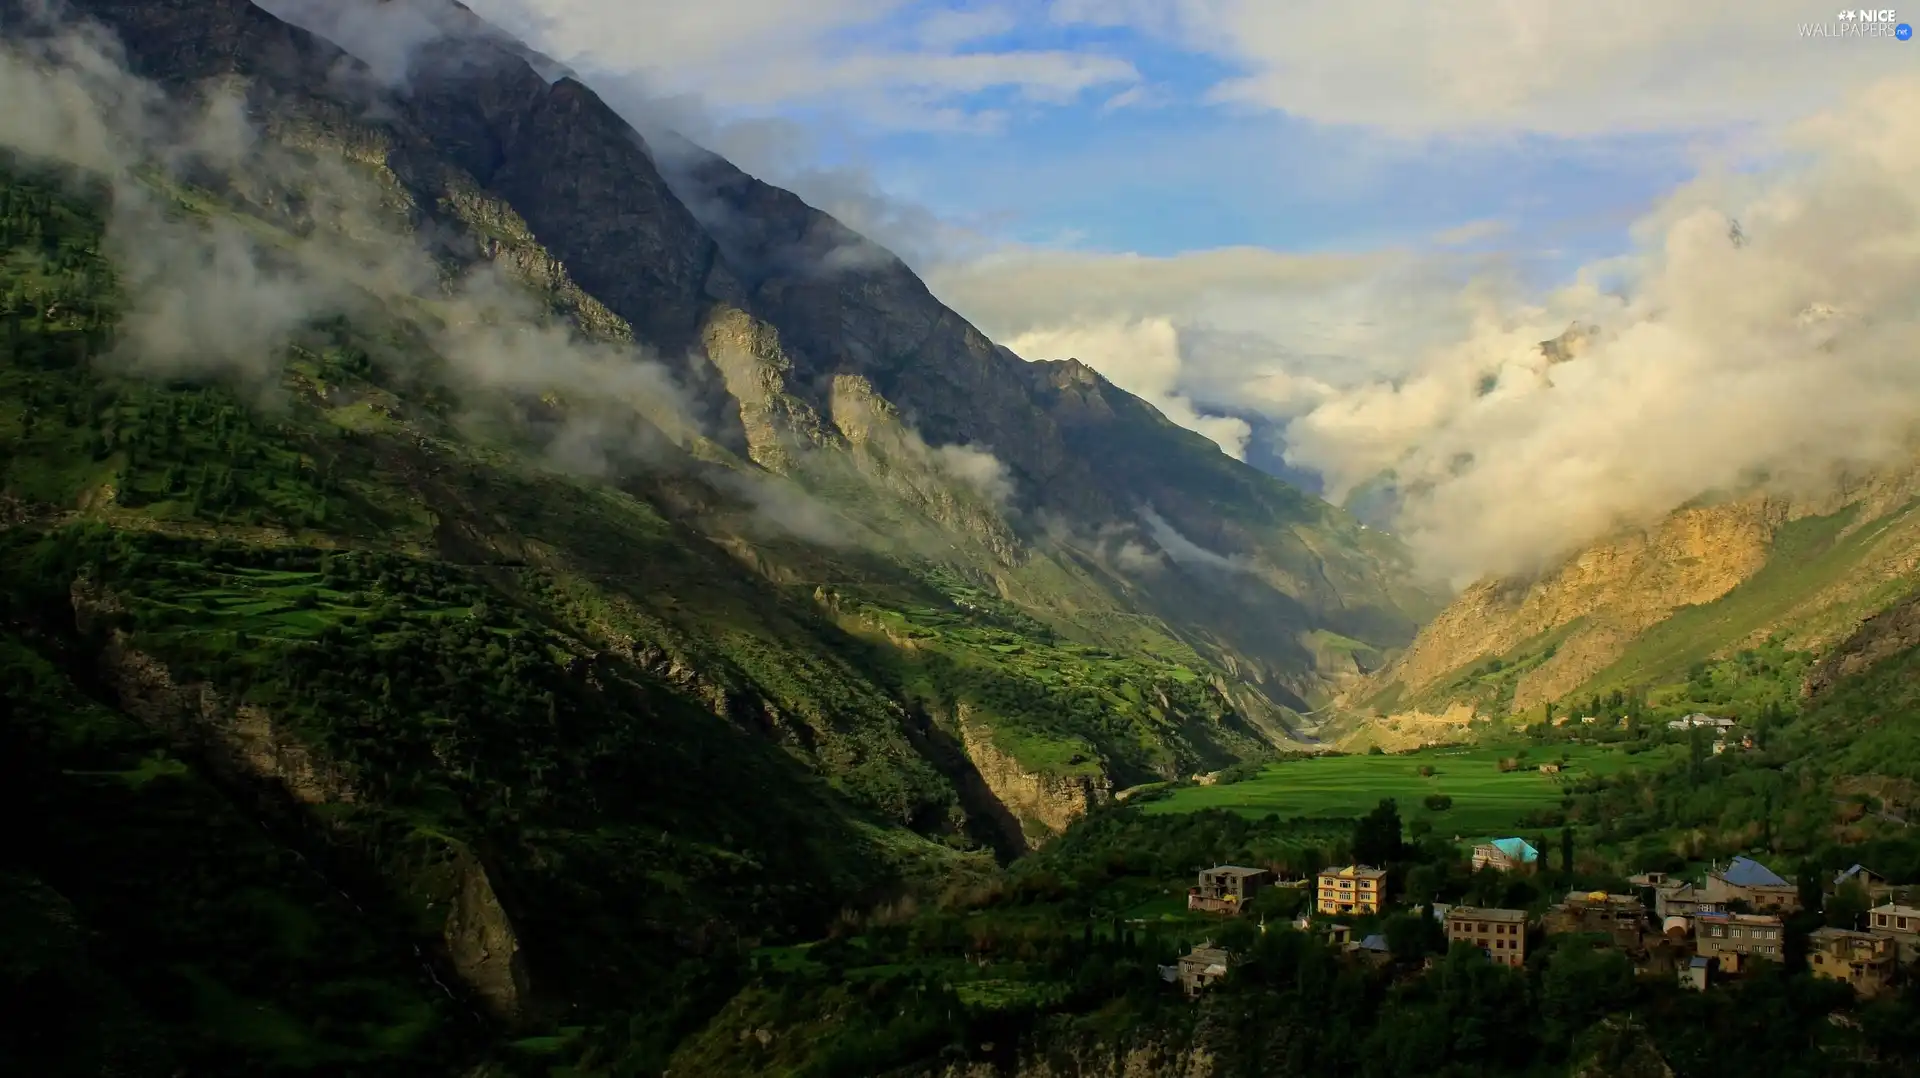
x=1642, y=608
x=582, y=592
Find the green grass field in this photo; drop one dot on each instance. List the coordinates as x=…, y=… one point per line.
x=1487, y=803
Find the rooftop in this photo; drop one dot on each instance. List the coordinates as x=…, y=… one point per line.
x=1375, y=942
x=1897, y=909
x=1235, y=870
x=1746, y=872
x=1844, y=934
x=1481, y=913
x=1355, y=872
x=1518, y=848
x=1596, y=898
x=1718, y=917
x=1856, y=870
x=1698, y=961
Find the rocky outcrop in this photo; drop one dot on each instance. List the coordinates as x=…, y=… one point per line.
x=1883, y=636
x=480, y=938
x=1044, y=804
x=1622, y=586
x=1576, y=620
x=248, y=743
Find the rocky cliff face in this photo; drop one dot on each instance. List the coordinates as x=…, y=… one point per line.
x=248, y=744
x=1881, y=637
x=1042, y=804
x=1810, y=566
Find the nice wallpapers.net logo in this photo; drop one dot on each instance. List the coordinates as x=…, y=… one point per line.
x=1858, y=23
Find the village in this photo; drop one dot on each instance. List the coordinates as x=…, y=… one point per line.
x=1700, y=931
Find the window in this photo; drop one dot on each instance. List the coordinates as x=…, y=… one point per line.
x=1483, y=926
x=1899, y=922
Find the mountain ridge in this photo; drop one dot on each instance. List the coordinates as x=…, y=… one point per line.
x=429, y=442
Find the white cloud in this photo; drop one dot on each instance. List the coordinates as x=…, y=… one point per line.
x=1579, y=68
x=886, y=62
x=1781, y=360
x=1211, y=336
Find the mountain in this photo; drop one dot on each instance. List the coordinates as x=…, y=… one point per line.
x=1643, y=608
x=472, y=573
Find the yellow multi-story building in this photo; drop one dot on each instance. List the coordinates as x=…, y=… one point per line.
x=1352, y=889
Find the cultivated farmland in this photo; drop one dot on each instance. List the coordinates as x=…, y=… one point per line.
x=1486, y=802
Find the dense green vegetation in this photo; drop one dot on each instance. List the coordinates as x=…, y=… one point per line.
x=472, y=672
x=1047, y=963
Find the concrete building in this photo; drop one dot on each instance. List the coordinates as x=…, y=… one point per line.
x=1502, y=934
x=1622, y=918
x=1202, y=967
x=1865, y=960
x=1900, y=922
x=1506, y=855
x=1353, y=889
x=1226, y=888
x=1746, y=880
x=1733, y=940
x=1678, y=898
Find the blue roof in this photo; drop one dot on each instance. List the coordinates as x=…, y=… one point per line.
x=1375, y=942
x=1746, y=872
x=1698, y=961
x=1851, y=873
x=1517, y=848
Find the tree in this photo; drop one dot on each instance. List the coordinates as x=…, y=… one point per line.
x=1377, y=836
x=1812, y=895
x=1566, y=850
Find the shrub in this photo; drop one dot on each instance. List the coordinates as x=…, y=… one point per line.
x=1438, y=802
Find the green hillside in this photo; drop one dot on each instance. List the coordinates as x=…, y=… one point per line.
x=380, y=710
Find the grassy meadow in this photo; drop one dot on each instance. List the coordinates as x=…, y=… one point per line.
x=1487, y=802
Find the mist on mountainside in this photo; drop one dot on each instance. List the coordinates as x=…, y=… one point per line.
x=1416, y=386
x=1783, y=361
x=213, y=296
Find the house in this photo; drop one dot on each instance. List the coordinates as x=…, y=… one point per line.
x=1373, y=950
x=1352, y=889
x=1900, y=922
x=1202, y=967
x=1678, y=898
x=1622, y=918
x=1733, y=939
x=1507, y=855
x=1549, y=769
x=1876, y=886
x=1865, y=960
x=1749, y=881
x=1226, y=888
x=1502, y=934
x=1648, y=879
x=1696, y=973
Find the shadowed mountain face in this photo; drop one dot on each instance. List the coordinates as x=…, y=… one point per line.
x=676, y=243
x=759, y=584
